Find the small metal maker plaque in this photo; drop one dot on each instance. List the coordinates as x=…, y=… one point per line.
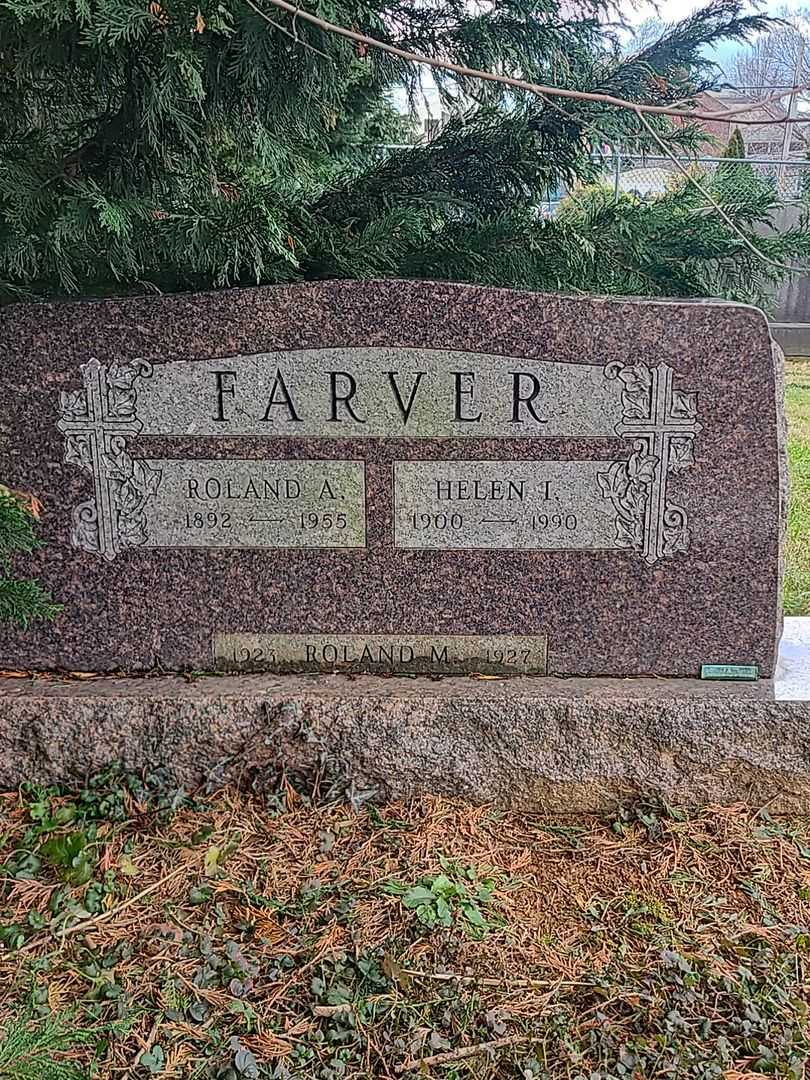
x=438, y=654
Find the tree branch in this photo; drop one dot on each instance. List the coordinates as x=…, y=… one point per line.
x=420, y=1064
x=533, y=88
x=293, y=36
x=715, y=205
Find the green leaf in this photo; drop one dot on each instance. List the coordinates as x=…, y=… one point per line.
x=442, y=886
x=427, y=914
x=12, y=936
x=23, y=865
x=417, y=896
x=61, y=850
x=80, y=870
x=443, y=911
x=153, y=1059
x=474, y=916
x=199, y=894
x=65, y=814
x=70, y=855
x=127, y=866
x=211, y=863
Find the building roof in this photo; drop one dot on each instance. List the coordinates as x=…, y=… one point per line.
x=765, y=137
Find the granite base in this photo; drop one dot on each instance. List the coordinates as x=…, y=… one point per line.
x=534, y=744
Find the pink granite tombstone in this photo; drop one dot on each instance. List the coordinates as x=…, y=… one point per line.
x=397, y=476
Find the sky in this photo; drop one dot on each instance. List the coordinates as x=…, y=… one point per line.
x=673, y=10
x=670, y=11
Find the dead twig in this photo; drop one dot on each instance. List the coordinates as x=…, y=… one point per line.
x=461, y=1053
x=290, y=34
x=333, y=1010
x=532, y=984
x=89, y=924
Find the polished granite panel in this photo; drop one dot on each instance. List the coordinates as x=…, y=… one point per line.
x=652, y=430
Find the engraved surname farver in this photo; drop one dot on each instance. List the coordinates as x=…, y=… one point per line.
x=342, y=397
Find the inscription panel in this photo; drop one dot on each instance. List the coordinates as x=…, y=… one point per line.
x=255, y=504
x=437, y=654
x=541, y=505
x=488, y=396
x=374, y=393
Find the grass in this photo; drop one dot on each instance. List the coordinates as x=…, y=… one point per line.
x=797, y=548
x=147, y=935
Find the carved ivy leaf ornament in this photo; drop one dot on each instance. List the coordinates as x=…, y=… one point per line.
x=118, y=466
x=85, y=534
x=73, y=403
x=682, y=454
x=684, y=404
x=637, y=382
x=677, y=535
x=662, y=422
x=77, y=452
x=629, y=496
x=145, y=479
x=95, y=421
x=641, y=468
x=121, y=392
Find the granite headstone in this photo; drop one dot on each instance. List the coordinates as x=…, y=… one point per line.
x=397, y=476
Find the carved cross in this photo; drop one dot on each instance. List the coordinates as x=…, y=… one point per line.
x=91, y=423
x=665, y=434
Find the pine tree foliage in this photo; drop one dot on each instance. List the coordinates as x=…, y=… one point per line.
x=735, y=147
x=746, y=194
x=20, y=601
x=172, y=144
x=675, y=245
x=38, y=1047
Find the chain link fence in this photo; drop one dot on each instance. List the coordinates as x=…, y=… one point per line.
x=648, y=175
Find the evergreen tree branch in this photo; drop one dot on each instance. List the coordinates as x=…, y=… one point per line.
x=535, y=88
x=20, y=601
x=243, y=158
x=289, y=33
x=715, y=205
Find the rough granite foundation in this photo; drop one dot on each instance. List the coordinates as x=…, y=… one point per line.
x=535, y=744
